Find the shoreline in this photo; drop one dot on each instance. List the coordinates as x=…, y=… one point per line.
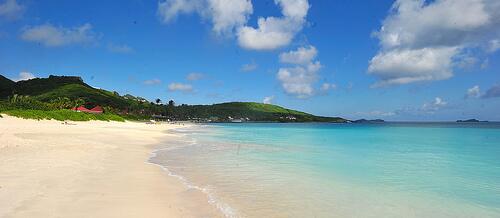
x=90, y=169
x=186, y=139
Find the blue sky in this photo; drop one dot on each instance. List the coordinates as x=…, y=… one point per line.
x=395, y=60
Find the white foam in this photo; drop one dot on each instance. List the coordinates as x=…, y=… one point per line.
x=224, y=208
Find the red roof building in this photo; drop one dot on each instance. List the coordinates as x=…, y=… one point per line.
x=96, y=110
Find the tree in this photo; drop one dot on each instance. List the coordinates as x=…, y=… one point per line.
x=171, y=103
x=158, y=101
x=78, y=102
x=170, y=108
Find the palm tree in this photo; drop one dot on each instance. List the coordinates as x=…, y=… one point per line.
x=158, y=101
x=171, y=103
x=78, y=102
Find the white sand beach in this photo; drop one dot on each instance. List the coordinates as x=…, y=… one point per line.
x=89, y=169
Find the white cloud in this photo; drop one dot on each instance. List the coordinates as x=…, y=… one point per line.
x=272, y=33
x=10, y=9
x=249, y=67
x=416, y=30
x=474, y=92
x=302, y=55
x=407, y=66
x=195, y=76
x=434, y=106
x=465, y=61
x=168, y=10
x=231, y=16
x=226, y=15
x=275, y=32
x=122, y=49
x=24, y=76
x=268, y=100
x=299, y=80
x=180, y=87
x=52, y=36
x=419, y=23
x=327, y=86
x=152, y=82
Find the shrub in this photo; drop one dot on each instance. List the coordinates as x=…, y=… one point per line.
x=62, y=115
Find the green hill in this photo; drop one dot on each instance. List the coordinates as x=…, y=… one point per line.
x=61, y=92
x=53, y=87
x=39, y=86
x=6, y=86
x=88, y=94
x=251, y=110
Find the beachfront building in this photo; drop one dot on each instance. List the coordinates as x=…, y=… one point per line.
x=95, y=110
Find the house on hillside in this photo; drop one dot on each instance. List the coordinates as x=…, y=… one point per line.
x=96, y=110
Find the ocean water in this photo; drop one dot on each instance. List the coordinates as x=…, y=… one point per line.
x=341, y=170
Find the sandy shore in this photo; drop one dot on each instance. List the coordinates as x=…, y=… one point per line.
x=90, y=169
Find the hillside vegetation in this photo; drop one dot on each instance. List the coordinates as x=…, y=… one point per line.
x=251, y=110
x=6, y=86
x=35, y=98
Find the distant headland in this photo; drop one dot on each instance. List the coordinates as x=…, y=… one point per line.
x=369, y=121
x=471, y=121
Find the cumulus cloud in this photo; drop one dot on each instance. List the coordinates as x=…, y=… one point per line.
x=122, y=49
x=195, y=76
x=53, y=36
x=412, y=65
x=275, y=32
x=24, y=76
x=299, y=77
x=493, y=92
x=10, y=9
x=474, y=92
x=231, y=16
x=434, y=106
x=268, y=100
x=168, y=10
x=422, y=40
x=152, y=82
x=225, y=15
x=302, y=55
x=173, y=87
x=249, y=67
x=299, y=80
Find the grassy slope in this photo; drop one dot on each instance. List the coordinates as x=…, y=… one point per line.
x=46, y=89
x=39, y=86
x=62, y=115
x=89, y=94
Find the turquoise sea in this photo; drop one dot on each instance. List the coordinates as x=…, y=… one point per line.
x=341, y=170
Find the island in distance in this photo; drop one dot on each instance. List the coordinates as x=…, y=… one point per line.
x=369, y=121
x=471, y=121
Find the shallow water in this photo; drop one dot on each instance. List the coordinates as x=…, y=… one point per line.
x=342, y=170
